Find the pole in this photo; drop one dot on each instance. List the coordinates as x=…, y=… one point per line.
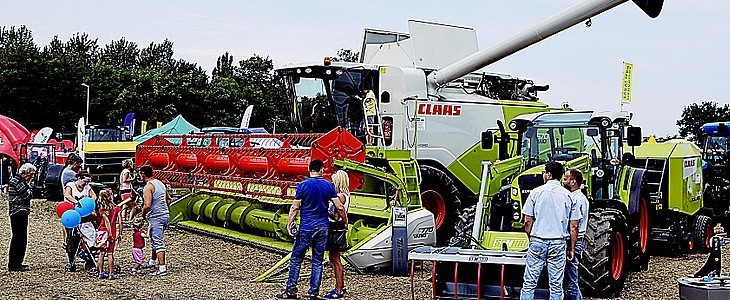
x=87, y=102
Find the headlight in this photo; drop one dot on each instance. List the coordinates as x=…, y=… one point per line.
x=515, y=205
x=515, y=192
x=599, y=173
x=516, y=216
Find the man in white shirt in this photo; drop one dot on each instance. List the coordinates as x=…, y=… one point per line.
x=573, y=181
x=549, y=210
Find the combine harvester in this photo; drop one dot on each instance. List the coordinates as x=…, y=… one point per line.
x=413, y=108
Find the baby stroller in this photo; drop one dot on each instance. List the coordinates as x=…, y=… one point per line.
x=87, y=251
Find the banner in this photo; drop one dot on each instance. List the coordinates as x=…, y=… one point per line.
x=159, y=124
x=627, y=82
x=144, y=127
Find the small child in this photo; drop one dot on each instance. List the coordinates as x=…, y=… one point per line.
x=138, y=238
x=109, y=213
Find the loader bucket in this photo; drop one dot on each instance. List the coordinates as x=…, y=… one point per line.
x=460, y=273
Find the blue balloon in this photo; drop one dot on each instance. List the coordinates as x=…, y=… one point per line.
x=88, y=202
x=70, y=219
x=84, y=210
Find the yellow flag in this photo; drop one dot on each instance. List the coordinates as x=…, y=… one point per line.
x=159, y=124
x=626, y=82
x=144, y=127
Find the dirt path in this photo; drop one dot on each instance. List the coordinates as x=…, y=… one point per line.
x=203, y=267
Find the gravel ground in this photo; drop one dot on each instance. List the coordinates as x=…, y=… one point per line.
x=203, y=267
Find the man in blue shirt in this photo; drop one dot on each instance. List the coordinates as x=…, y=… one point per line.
x=73, y=165
x=549, y=210
x=572, y=181
x=311, y=201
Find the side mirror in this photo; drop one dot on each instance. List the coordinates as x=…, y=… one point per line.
x=592, y=132
x=487, y=140
x=633, y=136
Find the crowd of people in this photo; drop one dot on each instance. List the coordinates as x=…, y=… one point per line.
x=555, y=221
x=101, y=231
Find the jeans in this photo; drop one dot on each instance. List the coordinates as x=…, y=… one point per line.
x=317, y=239
x=19, y=240
x=543, y=252
x=572, y=291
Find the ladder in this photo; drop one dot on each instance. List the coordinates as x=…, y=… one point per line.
x=655, y=167
x=377, y=122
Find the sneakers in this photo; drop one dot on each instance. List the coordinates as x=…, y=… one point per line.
x=70, y=267
x=112, y=276
x=134, y=272
x=148, y=266
x=159, y=273
x=333, y=294
x=286, y=295
x=103, y=275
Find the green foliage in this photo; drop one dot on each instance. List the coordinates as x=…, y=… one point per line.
x=42, y=86
x=695, y=115
x=346, y=55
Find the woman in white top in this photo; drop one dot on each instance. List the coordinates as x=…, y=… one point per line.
x=75, y=191
x=126, y=191
x=337, y=232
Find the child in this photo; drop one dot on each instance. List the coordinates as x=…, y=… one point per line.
x=109, y=213
x=138, y=246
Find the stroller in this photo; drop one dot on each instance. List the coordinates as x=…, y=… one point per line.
x=85, y=249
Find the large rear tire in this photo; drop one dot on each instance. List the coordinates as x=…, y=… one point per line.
x=703, y=229
x=602, y=267
x=440, y=196
x=641, y=236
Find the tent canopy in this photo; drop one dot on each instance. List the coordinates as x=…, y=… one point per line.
x=178, y=125
x=11, y=134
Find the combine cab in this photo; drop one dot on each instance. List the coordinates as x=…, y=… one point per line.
x=244, y=192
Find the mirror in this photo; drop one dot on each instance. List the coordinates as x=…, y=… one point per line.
x=487, y=140
x=592, y=132
x=633, y=136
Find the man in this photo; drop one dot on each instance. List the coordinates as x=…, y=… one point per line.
x=572, y=181
x=156, y=208
x=312, y=200
x=19, y=195
x=547, y=212
x=73, y=165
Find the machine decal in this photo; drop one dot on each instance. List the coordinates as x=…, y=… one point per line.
x=690, y=167
x=439, y=109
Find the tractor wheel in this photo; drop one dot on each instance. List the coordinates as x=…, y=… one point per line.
x=640, y=237
x=703, y=229
x=603, y=261
x=440, y=196
x=465, y=224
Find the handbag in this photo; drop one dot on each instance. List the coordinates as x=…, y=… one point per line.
x=101, y=239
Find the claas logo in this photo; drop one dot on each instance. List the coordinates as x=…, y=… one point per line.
x=439, y=109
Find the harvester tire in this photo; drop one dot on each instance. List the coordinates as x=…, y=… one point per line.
x=441, y=197
x=640, y=237
x=703, y=229
x=602, y=265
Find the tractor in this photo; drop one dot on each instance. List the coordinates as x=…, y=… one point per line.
x=716, y=170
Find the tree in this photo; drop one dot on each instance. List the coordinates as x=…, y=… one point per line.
x=346, y=55
x=695, y=115
x=262, y=88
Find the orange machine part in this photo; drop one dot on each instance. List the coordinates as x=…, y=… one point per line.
x=187, y=161
x=218, y=162
x=253, y=164
x=292, y=166
x=159, y=159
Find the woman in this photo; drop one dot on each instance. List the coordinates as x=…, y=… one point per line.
x=337, y=230
x=126, y=191
x=75, y=191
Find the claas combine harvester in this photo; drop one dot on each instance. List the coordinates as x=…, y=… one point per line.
x=407, y=122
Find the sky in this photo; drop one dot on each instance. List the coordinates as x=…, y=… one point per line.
x=679, y=58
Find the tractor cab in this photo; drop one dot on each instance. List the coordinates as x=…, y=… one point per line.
x=95, y=133
x=716, y=146
x=590, y=141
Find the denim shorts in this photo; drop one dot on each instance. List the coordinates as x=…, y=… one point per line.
x=158, y=225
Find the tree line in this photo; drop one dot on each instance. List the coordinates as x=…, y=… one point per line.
x=41, y=86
